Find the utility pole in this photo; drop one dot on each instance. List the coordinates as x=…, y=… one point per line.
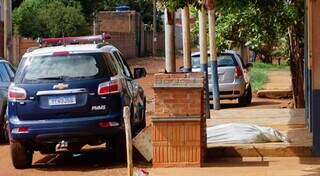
x=154, y=30
x=170, y=41
x=213, y=55
x=204, y=54
x=8, y=50
x=186, y=39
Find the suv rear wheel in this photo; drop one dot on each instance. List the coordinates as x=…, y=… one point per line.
x=3, y=130
x=246, y=98
x=20, y=155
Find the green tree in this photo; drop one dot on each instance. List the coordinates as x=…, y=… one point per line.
x=61, y=20
x=49, y=18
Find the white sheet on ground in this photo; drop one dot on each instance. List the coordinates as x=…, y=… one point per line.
x=240, y=133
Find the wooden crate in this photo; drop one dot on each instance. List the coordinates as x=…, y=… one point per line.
x=178, y=144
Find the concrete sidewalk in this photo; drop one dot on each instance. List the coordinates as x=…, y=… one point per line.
x=249, y=167
x=290, y=122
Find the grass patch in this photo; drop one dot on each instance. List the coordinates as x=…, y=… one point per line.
x=259, y=73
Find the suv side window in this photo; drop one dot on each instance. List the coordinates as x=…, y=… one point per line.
x=112, y=68
x=120, y=64
x=10, y=70
x=125, y=64
x=241, y=60
x=4, y=74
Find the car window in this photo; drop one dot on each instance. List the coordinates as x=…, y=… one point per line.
x=125, y=64
x=224, y=60
x=75, y=66
x=124, y=68
x=241, y=59
x=4, y=74
x=10, y=70
x=108, y=59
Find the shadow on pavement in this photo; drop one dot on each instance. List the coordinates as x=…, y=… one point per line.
x=88, y=160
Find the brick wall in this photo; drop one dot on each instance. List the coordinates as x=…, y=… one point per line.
x=125, y=42
x=179, y=126
x=126, y=31
x=122, y=22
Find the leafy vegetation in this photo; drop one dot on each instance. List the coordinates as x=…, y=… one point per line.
x=259, y=73
x=45, y=18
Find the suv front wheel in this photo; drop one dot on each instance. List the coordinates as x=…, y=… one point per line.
x=20, y=155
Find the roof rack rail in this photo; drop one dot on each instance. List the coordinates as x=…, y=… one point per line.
x=43, y=42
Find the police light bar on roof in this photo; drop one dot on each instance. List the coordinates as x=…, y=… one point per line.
x=73, y=40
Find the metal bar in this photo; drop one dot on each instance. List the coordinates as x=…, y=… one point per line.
x=58, y=92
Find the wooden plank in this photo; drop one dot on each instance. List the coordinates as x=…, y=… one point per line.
x=142, y=142
x=126, y=116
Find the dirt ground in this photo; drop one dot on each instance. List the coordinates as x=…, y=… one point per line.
x=97, y=161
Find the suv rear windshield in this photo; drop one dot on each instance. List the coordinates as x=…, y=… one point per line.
x=70, y=67
x=224, y=60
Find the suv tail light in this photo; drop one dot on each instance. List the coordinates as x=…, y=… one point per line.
x=16, y=93
x=109, y=87
x=237, y=72
x=20, y=130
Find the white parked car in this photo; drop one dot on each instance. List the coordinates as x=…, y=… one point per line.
x=234, y=82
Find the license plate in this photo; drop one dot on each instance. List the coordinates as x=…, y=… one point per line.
x=62, y=100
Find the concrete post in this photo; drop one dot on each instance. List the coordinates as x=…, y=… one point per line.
x=170, y=41
x=213, y=56
x=186, y=39
x=204, y=54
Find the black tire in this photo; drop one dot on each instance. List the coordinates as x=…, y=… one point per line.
x=118, y=148
x=246, y=98
x=249, y=95
x=3, y=129
x=21, y=156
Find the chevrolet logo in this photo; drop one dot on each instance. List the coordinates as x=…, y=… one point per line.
x=60, y=86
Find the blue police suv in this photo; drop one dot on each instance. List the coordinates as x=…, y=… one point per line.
x=66, y=95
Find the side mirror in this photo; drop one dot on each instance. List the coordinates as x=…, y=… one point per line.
x=139, y=73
